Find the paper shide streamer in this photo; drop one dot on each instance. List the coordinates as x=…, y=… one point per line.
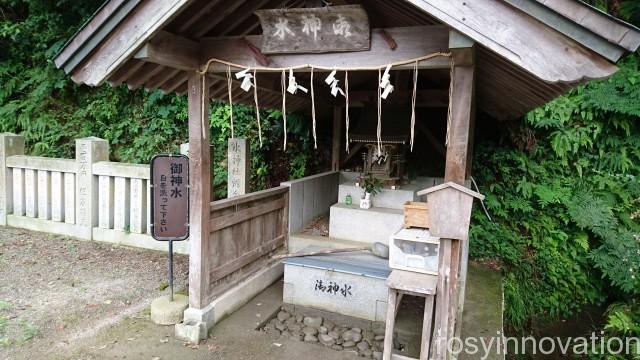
x=384, y=89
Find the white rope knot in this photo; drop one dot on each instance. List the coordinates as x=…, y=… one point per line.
x=346, y=107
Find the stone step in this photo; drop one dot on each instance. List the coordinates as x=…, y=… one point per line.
x=386, y=198
x=350, y=284
x=298, y=242
x=349, y=222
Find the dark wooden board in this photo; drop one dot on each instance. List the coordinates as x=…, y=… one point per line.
x=315, y=30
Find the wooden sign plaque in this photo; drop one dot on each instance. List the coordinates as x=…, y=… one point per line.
x=170, y=197
x=315, y=30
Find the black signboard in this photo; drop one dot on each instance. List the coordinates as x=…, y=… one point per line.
x=170, y=197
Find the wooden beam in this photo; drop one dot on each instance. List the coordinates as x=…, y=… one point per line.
x=337, y=134
x=92, y=33
x=122, y=43
x=244, y=13
x=453, y=258
x=424, y=97
x=174, y=83
x=520, y=38
x=199, y=190
x=249, y=94
x=459, y=131
x=195, y=13
x=125, y=72
x=593, y=39
x=143, y=75
x=352, y=152
x=461, y=48
x=171, y=50
x=413, y=42
x=159, y=79
x=209, y=22
x=435, y=142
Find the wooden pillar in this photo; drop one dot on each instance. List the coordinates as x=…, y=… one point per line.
x=453, y=253
x=460, y=133
x=200, y=190
x=337, y=144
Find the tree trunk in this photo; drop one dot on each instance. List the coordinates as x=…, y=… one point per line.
x=613, y=7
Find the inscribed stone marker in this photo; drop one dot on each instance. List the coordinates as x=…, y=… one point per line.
x=18, y=192
x=44, y=195
x=138, y=218
x=88, y=151
x=238, y=167
x=69, y=198
x=57, y=196
x=10, y=144
x=121, y=204
x=31, y=189
x=105, y=202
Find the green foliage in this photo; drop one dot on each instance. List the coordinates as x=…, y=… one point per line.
x=370, y=184
x=50, y=111
x=565, y=202
x=622, y=322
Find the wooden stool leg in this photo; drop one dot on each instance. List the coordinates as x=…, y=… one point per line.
x=391, y=319
x=426, y=327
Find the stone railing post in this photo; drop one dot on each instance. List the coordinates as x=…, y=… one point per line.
x=88, y=151
x=10, y=144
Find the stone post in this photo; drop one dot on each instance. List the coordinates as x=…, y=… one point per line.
x=10, y=144
x=238, y=167
x=88, y=151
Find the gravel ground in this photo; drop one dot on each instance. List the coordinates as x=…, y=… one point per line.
x=56, y=292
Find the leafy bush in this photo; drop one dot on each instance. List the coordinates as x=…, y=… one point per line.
x=565, y=201
x=50, y=111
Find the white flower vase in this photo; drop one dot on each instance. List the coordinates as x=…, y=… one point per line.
x=366, y=202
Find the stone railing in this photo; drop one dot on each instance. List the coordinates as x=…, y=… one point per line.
x=87, y=197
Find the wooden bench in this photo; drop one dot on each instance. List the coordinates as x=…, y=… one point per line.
x=402, y=282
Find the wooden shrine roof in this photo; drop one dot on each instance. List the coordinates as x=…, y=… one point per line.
x=528, y=51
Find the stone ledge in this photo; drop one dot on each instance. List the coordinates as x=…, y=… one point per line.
x=198, y=322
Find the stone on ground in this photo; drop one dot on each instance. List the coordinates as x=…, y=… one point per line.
x=326, y=339
x=311, y=321
x=166, y=312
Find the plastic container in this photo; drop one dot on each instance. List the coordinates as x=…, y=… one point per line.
x=414, y=250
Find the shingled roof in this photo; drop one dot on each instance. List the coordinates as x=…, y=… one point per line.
x=528, y=51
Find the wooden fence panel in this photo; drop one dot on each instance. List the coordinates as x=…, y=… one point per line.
x=245, y=230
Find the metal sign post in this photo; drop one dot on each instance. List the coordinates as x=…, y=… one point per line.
x=170, y=202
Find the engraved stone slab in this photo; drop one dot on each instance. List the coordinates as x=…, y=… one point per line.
x=44, y=195
x=31, y=193
x=88, y=151
x=57, y=196
x=69, y=198
x=10, y=144
x=121, y=204
x=238, y=167
x=138, y=216
x=18, y=192
x=105, y=202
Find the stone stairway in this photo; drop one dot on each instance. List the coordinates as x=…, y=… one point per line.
x=350, y=284
x=349, y=222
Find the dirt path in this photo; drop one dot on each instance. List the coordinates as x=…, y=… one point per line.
x=56, y=293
